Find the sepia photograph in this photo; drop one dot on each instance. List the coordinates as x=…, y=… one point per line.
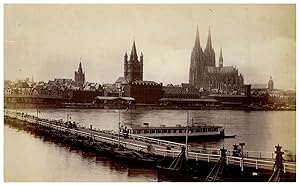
x=149, y=92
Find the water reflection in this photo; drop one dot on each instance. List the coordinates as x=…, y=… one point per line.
x=43, y=160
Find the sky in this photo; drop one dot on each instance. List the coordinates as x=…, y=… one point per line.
x=48, y=41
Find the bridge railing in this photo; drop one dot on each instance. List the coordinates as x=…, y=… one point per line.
x=246, y=153
x=203, y=157
x=259, y=164
x=289, y=167
x=156, y=141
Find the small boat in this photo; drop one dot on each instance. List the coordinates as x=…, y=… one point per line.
x=177, y=171
x=144, y=160
x=178, y=132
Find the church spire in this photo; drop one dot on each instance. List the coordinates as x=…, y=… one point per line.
x=197, y=41
x=80, y=67
x=80, y=76
x=221, y=59
x=133, y=55
x=209, y=43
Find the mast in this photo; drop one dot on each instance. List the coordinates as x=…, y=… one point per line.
x=186, y=137
x=119, y=124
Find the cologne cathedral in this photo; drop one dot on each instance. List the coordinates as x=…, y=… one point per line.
x=204, y=73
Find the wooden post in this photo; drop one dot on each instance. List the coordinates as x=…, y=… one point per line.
x=242, y=164
x=256, y=164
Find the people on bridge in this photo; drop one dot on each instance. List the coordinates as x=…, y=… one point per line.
x=236, y=150
x=149, y=148
x=125, y=132
x=74, y=125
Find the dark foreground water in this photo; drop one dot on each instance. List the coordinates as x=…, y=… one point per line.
x=31, y=158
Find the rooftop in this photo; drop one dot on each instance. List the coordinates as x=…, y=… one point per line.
x=189, y=100
x=140, y=82
x=221, y=70
x=114, y=98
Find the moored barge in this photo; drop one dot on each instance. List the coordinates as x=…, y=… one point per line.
x=178, y=132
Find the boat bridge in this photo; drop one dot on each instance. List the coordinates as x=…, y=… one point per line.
x=253, y=159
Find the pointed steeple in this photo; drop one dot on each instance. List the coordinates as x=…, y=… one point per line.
x=80, y=67
x=197, y=41
x=221, y=59
x=133, y=55
x=209, y=43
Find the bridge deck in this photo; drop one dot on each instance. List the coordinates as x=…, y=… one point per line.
x=259, y=160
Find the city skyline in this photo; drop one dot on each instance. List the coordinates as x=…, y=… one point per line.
x=51, y=44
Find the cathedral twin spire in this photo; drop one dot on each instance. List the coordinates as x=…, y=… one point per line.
x=197, y=40
x=209, y=43
x=207, y=55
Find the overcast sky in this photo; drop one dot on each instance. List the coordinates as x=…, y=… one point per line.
x=47, y=41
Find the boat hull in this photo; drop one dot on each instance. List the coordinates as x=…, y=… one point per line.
x=166, y=174
x=190, y=138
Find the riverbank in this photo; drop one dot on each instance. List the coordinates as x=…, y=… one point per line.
x=147, y=107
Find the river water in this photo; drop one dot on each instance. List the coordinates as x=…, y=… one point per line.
x=31, y=158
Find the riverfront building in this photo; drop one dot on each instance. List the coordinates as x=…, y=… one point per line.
x=204, y=73
x=184, y=90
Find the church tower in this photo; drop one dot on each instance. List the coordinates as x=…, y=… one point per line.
x=221, y=59
x=80, y=76
x=209, y=53
x=197, y=63
x=270, y=84
x=133, y=68
x=125, y=65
